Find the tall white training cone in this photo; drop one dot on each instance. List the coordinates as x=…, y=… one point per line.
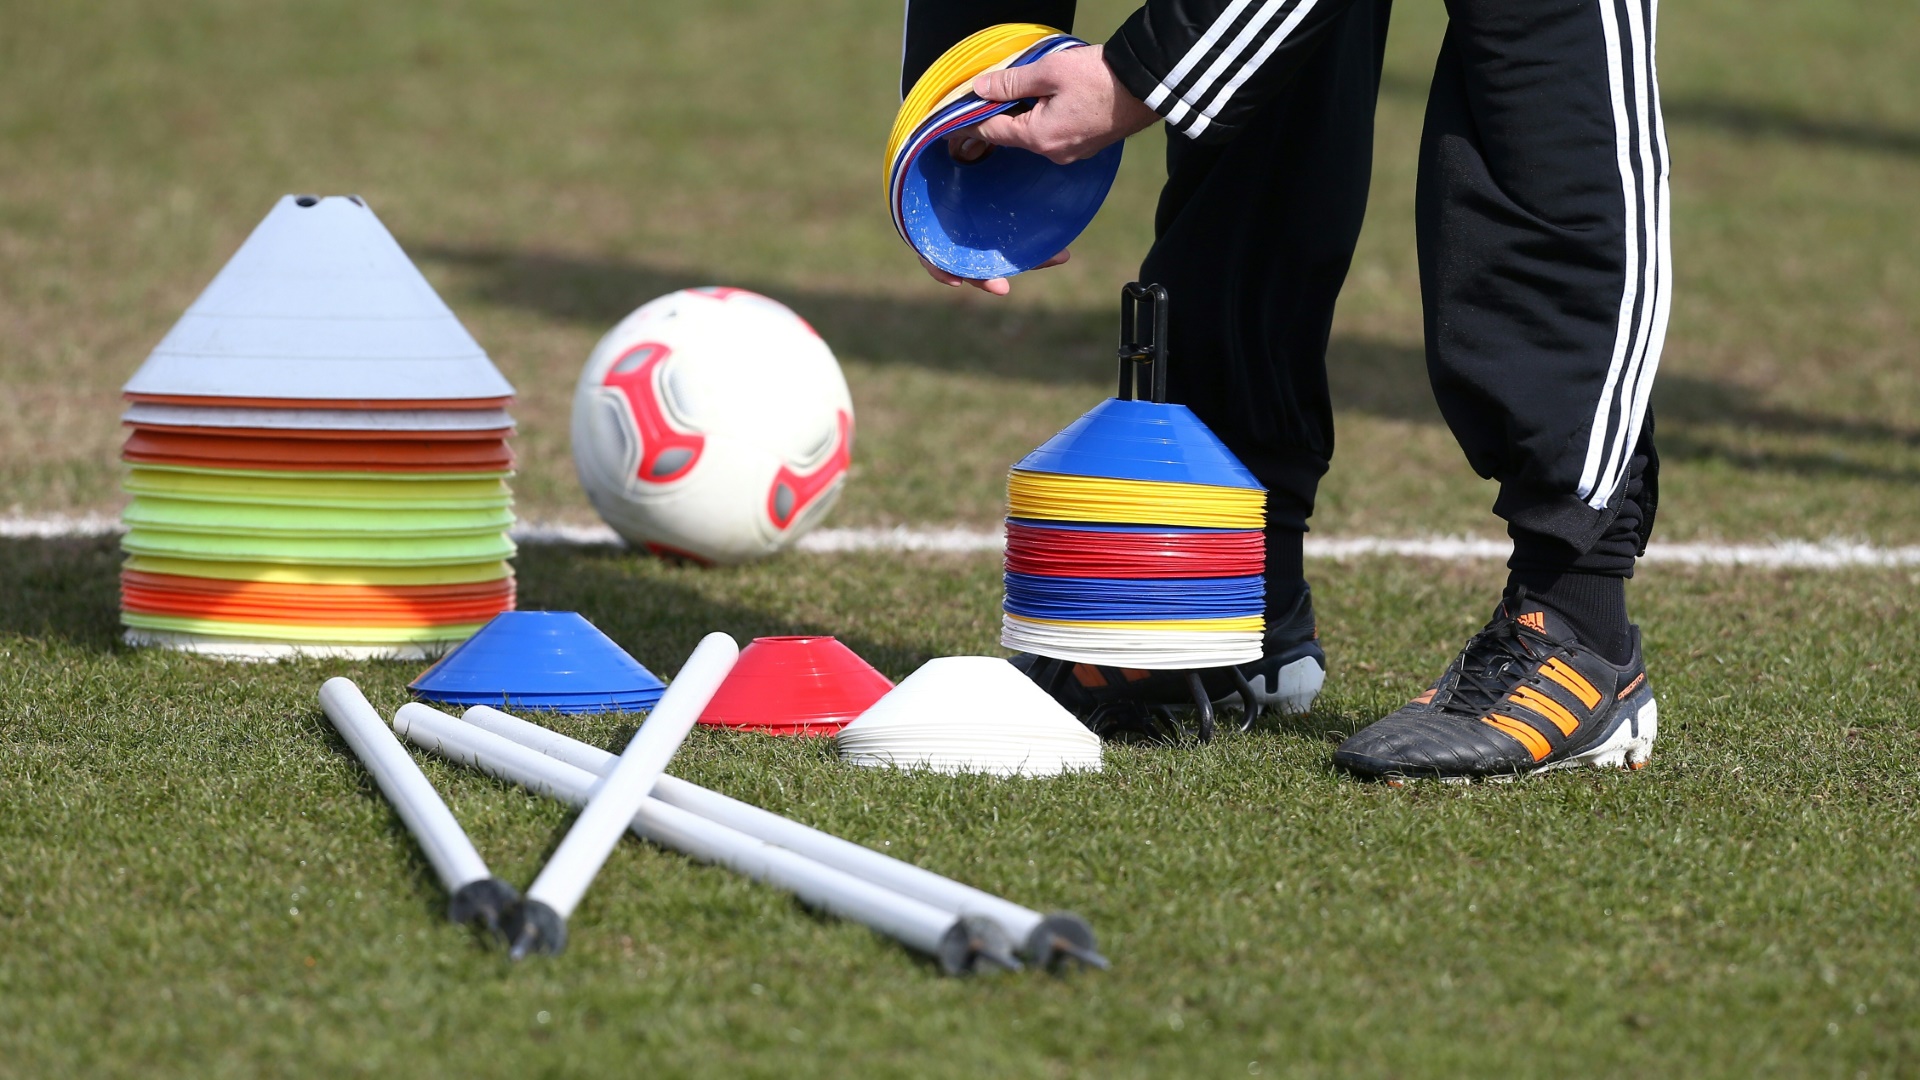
x=320, y=304
x=970, y=714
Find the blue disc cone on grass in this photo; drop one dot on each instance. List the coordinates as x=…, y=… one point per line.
x=1140, y=440
x=554, y=660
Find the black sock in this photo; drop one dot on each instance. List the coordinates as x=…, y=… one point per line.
x=1286, y=571
x=1594, y=605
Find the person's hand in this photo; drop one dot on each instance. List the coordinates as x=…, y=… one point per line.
x=993, y=286
x=1081, y=108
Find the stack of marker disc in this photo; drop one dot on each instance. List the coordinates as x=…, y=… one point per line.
x=318, y=456
x=1008, y=212
x=1134, y=540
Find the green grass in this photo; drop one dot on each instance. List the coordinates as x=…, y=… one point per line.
x=196, y=878
x=200, y=880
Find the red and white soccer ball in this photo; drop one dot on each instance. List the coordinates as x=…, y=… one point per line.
x=712, y=424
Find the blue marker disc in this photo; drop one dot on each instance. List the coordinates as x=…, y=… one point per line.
x=1132, y=600
x=1141, y=440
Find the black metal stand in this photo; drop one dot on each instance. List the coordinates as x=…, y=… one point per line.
x=1140, y=721
x=1143, y=368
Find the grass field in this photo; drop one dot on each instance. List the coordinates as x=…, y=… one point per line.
x=197, y=879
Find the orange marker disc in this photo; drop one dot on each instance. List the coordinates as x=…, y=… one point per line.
x=325, y=605
x=328, y=434
x=139, y=603
x=278, y=592
x=159, y=447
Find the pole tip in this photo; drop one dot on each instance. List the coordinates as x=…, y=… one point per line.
x=485, y=901
x=533, y=927
x=973, y=944
x=1062, y=937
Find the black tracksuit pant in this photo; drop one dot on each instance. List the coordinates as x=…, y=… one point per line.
x=1541, y=219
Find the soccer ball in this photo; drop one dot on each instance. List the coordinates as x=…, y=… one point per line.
x=713, y=425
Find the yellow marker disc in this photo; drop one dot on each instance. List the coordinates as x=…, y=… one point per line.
x=293, y=632
x=240, y=519
x=291, y=489
x=361, y=551
x=996, y=46
x=1056, y=497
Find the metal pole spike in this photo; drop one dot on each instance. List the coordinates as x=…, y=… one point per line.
x=1060, y=936
x=533, y=927
x=486, y=901
x=973, y=939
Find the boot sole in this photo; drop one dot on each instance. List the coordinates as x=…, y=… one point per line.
x=1628, y=746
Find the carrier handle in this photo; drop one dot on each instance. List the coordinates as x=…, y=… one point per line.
x=1143, y=342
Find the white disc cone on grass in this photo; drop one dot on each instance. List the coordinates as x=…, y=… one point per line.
x=970, y=714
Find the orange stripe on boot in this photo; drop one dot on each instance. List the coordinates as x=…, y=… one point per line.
x=1576, y=683
x=1529, y=698
x=1535, y=742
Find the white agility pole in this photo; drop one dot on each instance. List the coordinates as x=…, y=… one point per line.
x=539, y=922
x=959, y=944
x=1046, y=940
x=475, y=892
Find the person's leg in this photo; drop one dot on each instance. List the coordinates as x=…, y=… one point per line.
x=1545, y=273
x=1546, y=269
x=1252, y=240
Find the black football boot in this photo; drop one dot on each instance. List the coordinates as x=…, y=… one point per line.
x=1523, y=697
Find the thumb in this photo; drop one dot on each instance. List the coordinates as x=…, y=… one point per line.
x=1012, y=84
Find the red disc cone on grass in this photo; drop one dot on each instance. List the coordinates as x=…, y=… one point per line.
x=805, y=685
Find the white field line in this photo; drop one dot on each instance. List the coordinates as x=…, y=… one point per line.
x=1830, y=554
x=58, y=528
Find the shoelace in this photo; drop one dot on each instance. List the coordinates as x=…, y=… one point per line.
x=1490, y=666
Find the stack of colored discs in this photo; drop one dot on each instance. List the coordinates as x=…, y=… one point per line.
x=1005, y=213
x=1134, y=540
x=554, y=661
x=318, y=455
